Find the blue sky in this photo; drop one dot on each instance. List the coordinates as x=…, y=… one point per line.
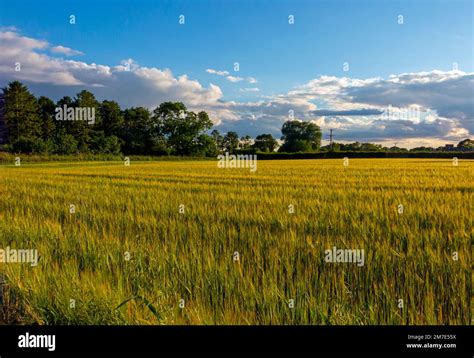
x=282, y=66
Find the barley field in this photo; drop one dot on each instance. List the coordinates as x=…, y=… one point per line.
x=187, y=242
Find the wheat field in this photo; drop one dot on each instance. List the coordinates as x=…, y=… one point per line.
x=187, y=242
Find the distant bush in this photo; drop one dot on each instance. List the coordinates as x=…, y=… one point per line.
x=9, y=158
x=328, y=155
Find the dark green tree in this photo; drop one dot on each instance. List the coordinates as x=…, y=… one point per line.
x=65, y=143
x=265, y=143
x=218, y=139
x=206, y=146
x=111, y=118
x=230, y=142
x=422, y=149
x=466, y=144
x=300, y=137
x=22, y=117
x=245, y=142
x=47, y=113
x=139, y=133
x=107, y=128
x=181, y=128
x=83, y=130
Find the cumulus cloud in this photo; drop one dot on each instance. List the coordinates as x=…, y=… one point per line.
x=32, y=65
x=66, y=51
x=234, y=78
x=229, y=77
x=354, y=107
x=357, y=108
x=449, y=93
x=128, y=83
x=216, y=72
x=251, y=89
x=444, y=98
x=350, y=112
x=366, y=129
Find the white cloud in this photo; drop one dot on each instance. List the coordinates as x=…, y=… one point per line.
x=216, y=72
x=229, y=77
x=65, y=51
x=234, y=79
x=128, y=83
x=251, y=89
x=444, y=101
x=352, y=106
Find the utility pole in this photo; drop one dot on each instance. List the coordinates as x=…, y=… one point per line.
x=330, y=138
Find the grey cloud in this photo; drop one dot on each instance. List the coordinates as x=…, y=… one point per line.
x=451, y=97
x=350, y=112
x=353, y=104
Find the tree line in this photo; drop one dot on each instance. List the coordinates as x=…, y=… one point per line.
x=31, y=125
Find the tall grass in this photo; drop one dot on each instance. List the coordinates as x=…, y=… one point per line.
x=134, y=211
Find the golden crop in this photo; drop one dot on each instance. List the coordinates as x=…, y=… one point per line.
x=167, y=234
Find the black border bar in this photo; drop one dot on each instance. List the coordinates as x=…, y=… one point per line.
x=349, y=339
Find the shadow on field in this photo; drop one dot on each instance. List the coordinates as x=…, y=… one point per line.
x=11, y=311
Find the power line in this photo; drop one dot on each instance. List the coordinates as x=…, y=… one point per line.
x=330, y=137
